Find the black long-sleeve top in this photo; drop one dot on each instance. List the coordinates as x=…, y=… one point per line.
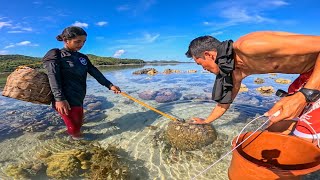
x=67, y=73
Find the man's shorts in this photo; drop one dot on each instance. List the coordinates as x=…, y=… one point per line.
x=308, y=125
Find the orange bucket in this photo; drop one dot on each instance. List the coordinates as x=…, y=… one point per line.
x=266, y=156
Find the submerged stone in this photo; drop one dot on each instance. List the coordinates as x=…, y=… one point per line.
x=185, y=136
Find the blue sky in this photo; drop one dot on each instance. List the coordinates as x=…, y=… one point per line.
x=146, y=29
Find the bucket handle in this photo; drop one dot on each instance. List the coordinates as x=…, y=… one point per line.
x=232, y=148
x=277, y=114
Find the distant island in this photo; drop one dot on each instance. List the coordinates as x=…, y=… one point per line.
x=8, y=63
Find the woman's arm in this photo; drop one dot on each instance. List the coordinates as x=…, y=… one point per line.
x=94, y=72
x=52, y=65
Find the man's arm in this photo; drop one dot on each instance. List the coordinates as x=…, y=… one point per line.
x=291, y=107
x=277, y=44
x=314, y=80
x=220, y=109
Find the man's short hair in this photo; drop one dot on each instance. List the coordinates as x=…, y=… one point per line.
x=200, y=44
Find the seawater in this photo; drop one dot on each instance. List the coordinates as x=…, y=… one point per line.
x=26, y=128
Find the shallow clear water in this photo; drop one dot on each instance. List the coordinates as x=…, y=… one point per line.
x=27, y=128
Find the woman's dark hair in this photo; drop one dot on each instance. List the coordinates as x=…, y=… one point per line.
x=70, y=33
x=201, y=44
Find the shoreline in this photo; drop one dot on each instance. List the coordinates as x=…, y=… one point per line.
x=132, y=64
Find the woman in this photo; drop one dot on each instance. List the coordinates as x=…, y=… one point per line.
x=67, y=72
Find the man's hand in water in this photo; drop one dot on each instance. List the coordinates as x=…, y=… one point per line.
x=197, y=120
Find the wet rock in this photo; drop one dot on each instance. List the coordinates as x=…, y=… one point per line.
x=86, y=160
x=265, y=90
x=167, y=95
x=283, y=81
x=187, y=137
x=63, y=165
x=145, y=71
x=148, y=95
x=16, y=171
x=259, y=81
x=192, y=71
x=152, y=72
x=243, y=88
x=196, y=97
x=208, y=89
x=169, y=71
x=273, y=74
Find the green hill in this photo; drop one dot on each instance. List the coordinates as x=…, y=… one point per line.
x=8, y=63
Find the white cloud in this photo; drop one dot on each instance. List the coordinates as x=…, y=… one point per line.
x=5, y=24
x=37, y=2
x=4, y=52
x=14, y=27
x=15, y=32
x=216, y=33
x=9, y=46
x=118, y=53
x=80, y=24
x=242, y=12
x=137, y=7
x=22, y=43
x=148, y=38
x=278, y=3
x=123, y=8
x=101, y=23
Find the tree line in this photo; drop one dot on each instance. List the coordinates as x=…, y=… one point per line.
x=9, y=63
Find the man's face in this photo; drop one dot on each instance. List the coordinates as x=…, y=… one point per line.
x=207, y=62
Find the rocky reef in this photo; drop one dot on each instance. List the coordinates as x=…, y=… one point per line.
x=88, y=161
x=282, y=81
x=186, y=136
x=149, y=71
x=243, y=88
x=265, y=90
x=161, y=96
x=259, y=81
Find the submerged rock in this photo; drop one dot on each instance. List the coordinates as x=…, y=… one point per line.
x=259, y=81
x=90, y=161
x=149, y=71
x=63, y=165
x=148, y=95
x=188, y=137
x=169, y=71
x=196, y=97
x=282, y=81
x=243, y=88
x=265, y=90
x=167, y=95
x=161, y=96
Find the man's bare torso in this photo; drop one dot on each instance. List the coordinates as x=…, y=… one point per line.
x=294, y=64
x=252, y=60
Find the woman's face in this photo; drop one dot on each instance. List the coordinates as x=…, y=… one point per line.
x=76, y=43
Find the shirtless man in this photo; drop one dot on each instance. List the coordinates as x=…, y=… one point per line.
x=260, y=53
